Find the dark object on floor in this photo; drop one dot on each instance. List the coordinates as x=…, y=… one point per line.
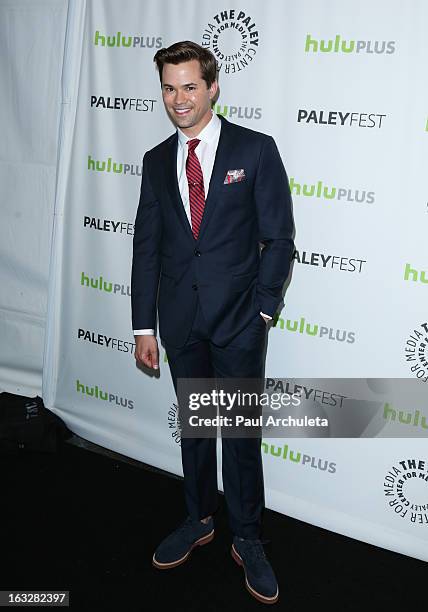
x=26, y=425
x=89, y=523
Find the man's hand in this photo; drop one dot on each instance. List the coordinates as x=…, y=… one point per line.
x=146, y=351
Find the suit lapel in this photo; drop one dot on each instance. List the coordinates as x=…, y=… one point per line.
x=172, y=184
x=225, y=145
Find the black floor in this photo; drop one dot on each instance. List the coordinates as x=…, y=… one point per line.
x=89, y=523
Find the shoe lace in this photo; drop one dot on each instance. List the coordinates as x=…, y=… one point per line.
x=186, y=524
x=255, y=550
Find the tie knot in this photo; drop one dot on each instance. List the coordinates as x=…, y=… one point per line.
x=193, y=144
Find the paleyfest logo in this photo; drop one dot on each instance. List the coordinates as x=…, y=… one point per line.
x=416, y=352
x=333, y=262
x=233, y=38
x=406, y=490
x=340, y=118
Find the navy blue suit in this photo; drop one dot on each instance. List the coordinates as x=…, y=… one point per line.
x=209, y=293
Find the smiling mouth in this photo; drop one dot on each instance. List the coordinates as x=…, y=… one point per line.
x=182, y=111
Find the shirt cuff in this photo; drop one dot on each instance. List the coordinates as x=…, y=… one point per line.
x=265, y=315
x=144, y=332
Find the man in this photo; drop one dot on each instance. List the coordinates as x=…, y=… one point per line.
x=210, y=194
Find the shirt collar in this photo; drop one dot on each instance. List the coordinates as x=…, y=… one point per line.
x=207, y=134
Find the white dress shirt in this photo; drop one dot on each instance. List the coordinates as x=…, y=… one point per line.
x=205, y=152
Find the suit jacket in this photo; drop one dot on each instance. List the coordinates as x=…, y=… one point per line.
x=225, y=266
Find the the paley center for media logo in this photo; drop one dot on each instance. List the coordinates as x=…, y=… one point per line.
x=405, y=489
x=416, y=351
x=174, y=423
x=233, y=38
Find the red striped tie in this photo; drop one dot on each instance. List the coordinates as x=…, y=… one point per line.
x=196, y=187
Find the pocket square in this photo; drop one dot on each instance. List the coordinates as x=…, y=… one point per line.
x=234, y=176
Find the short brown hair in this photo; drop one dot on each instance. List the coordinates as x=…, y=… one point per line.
x=185, y=51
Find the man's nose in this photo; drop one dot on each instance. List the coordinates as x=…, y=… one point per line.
x=180, y=97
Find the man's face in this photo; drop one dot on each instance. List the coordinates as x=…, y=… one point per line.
x=186, y=96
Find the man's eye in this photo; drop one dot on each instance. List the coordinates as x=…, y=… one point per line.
x=191, y=87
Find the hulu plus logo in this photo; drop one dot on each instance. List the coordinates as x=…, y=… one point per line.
x=325, y=192
x=415, y=275
x=339, y=45
x=283, y=453
x=95, y=165
x=95, y=392
x=123, y=40
x=237, y=112
x=315, y=330
x=100, y=284
x=415, y=418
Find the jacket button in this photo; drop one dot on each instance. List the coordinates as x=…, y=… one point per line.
x=197, y=253
x=195, y=287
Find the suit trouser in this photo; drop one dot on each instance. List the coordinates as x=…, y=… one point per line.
x=242, y=469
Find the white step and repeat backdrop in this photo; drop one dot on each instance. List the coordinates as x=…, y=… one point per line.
x=31, y=58
x=341, y=87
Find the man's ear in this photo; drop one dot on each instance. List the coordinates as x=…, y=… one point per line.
x=213, y=89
